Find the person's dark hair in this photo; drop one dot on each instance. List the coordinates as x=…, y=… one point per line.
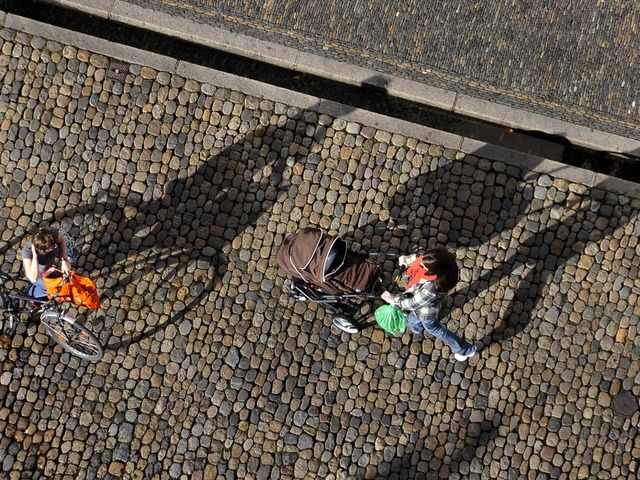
x=44, y=240
x=442, y=263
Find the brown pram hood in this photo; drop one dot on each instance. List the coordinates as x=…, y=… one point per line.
x=307, y=254
x=316, y=257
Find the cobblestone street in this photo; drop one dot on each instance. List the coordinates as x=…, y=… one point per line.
x=179, y=192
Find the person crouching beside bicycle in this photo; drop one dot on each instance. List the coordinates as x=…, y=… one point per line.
x=43, y=249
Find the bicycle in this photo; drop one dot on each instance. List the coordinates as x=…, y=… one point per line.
x=61, y=327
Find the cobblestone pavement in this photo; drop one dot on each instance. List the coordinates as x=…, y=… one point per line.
x=178, y=194
x=512, y=53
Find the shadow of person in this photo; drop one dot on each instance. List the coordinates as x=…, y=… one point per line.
x=526, y=241
x=515, y=230
x=187, y=238
x=166, y=255
x=522, y=231
x=422, y=463
x=166, y=218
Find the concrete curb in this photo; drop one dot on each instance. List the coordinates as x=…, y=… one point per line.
x=576, y=134
x=87, y=42
x=262, y=90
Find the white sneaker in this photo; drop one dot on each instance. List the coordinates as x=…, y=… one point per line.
x=462, y=358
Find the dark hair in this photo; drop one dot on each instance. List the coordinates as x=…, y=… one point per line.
x=44, y=240
x=442, y=263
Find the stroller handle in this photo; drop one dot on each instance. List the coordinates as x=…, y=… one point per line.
x=391, y=256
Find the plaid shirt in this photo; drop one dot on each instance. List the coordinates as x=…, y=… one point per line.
x=423, y=299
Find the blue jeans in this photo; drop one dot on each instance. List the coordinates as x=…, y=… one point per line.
x=435, y=328
x=37, y=289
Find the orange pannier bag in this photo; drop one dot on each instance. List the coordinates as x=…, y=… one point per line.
x=77, y=289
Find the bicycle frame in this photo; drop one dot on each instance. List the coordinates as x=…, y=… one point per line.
x=32, y=305
x=62, y=328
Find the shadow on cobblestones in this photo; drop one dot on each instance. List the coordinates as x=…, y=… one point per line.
x=540, y=241
x=531, y=241
x=531, y=231
x=480, y=435
x=168, y=248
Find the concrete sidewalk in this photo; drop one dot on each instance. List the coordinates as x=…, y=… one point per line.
x=179, y=183
x=568, y=70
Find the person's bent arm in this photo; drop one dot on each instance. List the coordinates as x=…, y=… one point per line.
x=420, y=297
x=62, y=248
x=407, y=260
x=31, y=266
x=404, y=302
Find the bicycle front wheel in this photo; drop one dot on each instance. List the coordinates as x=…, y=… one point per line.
x=72, y=336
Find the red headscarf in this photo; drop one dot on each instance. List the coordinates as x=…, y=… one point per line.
x=418, y=272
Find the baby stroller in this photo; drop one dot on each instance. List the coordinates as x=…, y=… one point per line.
x=324, y=271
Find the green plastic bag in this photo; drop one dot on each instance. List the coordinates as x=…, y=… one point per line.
x=391, y=319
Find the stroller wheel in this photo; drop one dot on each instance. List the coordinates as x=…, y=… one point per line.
x=345, y=324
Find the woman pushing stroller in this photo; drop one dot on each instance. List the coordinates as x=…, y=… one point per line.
x=326, y=272
x=432, y=275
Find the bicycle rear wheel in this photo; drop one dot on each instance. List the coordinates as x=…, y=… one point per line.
x=8, y=320
x=72, y=336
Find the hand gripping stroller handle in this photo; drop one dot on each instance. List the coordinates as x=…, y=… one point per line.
x=395, y=285
x=370, y=296
x=391, y=256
